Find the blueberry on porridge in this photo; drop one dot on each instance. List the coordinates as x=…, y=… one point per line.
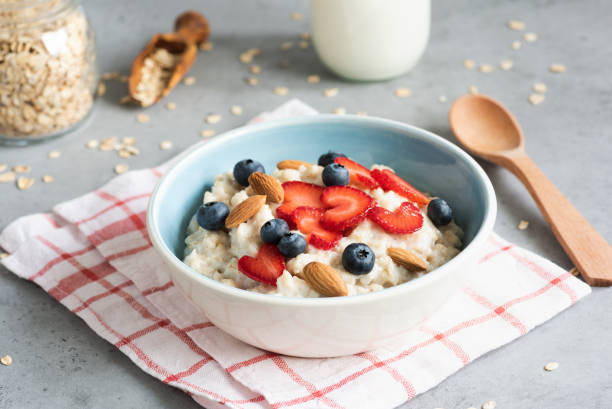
x=305, y=230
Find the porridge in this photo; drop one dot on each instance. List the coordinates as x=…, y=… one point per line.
x=332, y=229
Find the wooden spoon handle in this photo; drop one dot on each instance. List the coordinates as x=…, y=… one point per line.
x=591, y=254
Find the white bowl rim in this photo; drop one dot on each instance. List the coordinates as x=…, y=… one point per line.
x=486, y=228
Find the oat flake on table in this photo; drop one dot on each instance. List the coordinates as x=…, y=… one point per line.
x=143, y=118
x=330, y=92
x=6, y=360
x=236, y=110
x=403, y=92
x=297, y=16
x=7, y=177
x=170, y=106
x=539, y=87
x=339, y=111
x=48, y=178
x=551, y=366
x=207, y=133
x=189, y=80
x=213, y=118
x=536, y=99
x=286, y=46
x=3, y=167
x=516, y=45
x=92, y=144
x=165, y=145
x=523, y=225
x=24, y=183
x=530, y=37
x=54, y=154
x=486, y=68
x=516, y=25
x=473, y=89
x=557, y=68
x=22, y=168
x=121, y=168
x=304, y=44
x=255, y=69
x=490, y=404
x=206, y=46
x=281, y=90
x=313, y=79
x=506, y=65
x=305, y=36
x=252, y=81
x=469, y=64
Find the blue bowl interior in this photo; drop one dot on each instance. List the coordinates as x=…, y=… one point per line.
x=423, y=159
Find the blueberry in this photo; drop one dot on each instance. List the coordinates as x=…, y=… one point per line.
x=212, y=215
x=244, y=168
x=272, y=230
x=358, y=258
x=439, y=212
x=329, y=157
x=335, y=174
x=291, y=244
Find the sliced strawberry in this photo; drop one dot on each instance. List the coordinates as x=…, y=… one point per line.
x=389, y=180
x=266, y=267
x=347, y=207
x=308, y=221
x=298, y=194
x=360, y=175
x=405, y=219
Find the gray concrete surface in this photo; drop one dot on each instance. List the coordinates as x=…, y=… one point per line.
x=60, y=363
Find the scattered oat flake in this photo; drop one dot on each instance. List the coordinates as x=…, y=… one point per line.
x=54, y=154
x=22, y=168
x=171, y=106
x=340, y=111
x=305, y=36
x=124, y=78
x=473, y=89
x=286, y=46
x=536, y=99
x=255, y=69
x=110, y=75
x=490, y=404
x=206, y=46
x=189, y=80
x=132, y=150
x=297, y=16
x=574, y=271
x=101, y=89
x=506, y=65
x=165, y=145
x=125, y=100
x=122, y=153
x=313, y=79
x=281, y=90
x=236, y=110
x=252, y=81
x=551, y=366
x=7, y=177
x=3, y=255
x=486, y=68
x=330, y=92
x=121, y=168
x=516, y=25
x=362, y=113
x=207, y=133
x=92, y=144
x=303, y=44
x=442, y=98
x=516, y=45
x=6, y=360
x=48, y=178
x=523, y=225
x=24, y=183
x=403, y=92
x=530, y=37
x=539, y=87
x=213, y=118
x=557, y=68
x=469, y=64
x=3, y=167
x=143, y=118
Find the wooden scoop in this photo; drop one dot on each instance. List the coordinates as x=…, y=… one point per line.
x=489, y=130
x=191, y=29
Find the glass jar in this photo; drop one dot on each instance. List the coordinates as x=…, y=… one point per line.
x=48, y=73
x=370, y=40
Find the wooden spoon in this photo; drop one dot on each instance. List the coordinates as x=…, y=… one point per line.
x=191, y=29
x=487, y=129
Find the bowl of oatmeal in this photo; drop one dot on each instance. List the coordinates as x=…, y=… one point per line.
x=321, y=236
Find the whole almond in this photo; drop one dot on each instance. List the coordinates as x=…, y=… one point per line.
x=292, y=164
x=407, y=259
x=263, y=184
x=324, y=279
x=244, y=211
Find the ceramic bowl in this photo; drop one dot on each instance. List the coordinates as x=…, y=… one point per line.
x=324, y=327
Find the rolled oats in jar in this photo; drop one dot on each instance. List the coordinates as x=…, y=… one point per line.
x=47, y=68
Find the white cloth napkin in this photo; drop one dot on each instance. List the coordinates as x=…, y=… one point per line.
x=93, y=255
